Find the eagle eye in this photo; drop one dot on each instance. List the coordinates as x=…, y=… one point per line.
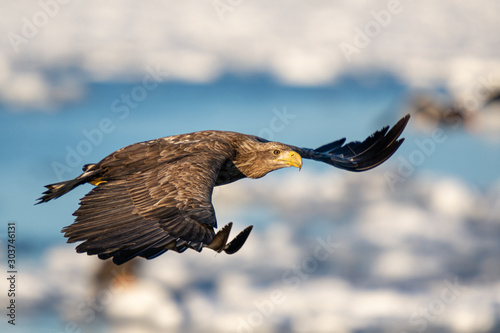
x=276, y=152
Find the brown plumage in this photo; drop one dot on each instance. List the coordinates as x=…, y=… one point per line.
x=155, y=196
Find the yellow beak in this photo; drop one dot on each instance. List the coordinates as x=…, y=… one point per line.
x=291, y=158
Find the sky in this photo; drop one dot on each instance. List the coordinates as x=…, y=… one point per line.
x=80, y=80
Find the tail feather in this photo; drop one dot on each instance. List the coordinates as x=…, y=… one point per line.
x=57, y=189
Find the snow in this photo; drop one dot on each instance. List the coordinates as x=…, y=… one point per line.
x=53, y=49
x=404, y=260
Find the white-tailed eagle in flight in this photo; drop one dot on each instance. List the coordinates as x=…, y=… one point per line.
x=155, y=196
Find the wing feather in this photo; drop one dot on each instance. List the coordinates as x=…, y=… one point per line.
x=359, y=156
x=155, y=197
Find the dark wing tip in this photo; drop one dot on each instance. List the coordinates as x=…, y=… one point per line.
x=220, y=239
x=401, y=124
x=236, y=244
x=385, y=145
x=365, y=155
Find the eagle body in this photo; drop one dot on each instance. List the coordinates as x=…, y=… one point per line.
x=154, y=196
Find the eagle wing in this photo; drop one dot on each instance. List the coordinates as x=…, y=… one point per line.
x=150, y=199
x=359, y=156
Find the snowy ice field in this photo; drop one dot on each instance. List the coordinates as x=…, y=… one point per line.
x=52, y=48
x=335, y=253
x=402, y=248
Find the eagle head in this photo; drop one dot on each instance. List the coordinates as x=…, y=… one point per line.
x=265, y=157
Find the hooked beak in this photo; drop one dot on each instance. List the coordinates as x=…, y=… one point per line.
x=291, y=158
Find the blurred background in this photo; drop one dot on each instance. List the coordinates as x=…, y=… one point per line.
x=411, y=246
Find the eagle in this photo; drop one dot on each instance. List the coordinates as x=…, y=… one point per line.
x=155, y=196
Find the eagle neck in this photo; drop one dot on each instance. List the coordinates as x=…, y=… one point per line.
x=246, y=159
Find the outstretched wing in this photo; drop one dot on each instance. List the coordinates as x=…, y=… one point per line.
x=150, y=200
x=359, y=156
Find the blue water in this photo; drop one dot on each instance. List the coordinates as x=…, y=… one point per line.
x=35, y=141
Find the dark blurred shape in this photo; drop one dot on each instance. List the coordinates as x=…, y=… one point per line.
x=488, y=117
x=111, y=275
x=493, y=99
x=430, y=113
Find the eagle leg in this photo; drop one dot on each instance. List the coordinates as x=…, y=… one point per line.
x=238, y=241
